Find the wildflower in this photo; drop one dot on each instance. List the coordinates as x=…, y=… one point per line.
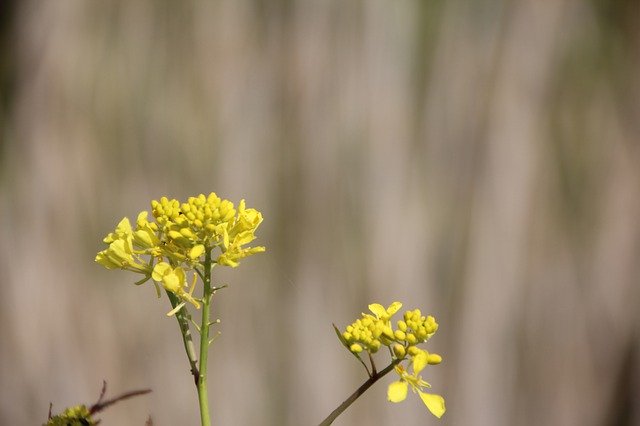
x=397, y=391
x=176, y=237
x=371, y=332
x=73, y=416
x=385, y=314
x=174, y=280
x=120, y=253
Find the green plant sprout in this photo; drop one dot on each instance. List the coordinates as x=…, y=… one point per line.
x=184, y=238
x=81, y=415
x=371, y=332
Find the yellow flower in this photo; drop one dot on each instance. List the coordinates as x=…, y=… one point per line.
x=239, y=232
x=120, y=253
x=397, y=391
x=73, y=416
x=385, y=314
x=188, y=229
x=234, y=253
x=371, y=332
x=177, y=239
x=174, y=280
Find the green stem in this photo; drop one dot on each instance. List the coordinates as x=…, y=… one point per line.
x=203, y=398
x=183, y=323
x=362, y=389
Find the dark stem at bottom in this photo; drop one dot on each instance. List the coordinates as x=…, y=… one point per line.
x=362, y=389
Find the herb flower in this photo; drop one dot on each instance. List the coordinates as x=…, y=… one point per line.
x=371, y=332
x=73, y=416
x=397, y=391
x=178, y=237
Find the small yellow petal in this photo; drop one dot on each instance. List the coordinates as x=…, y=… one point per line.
x=397, y=391
x=393, y=308
x=171, y=282
x=160, y=270
x=419, y=362
x=196, y=251
x=124, y=226
x=435, y=403
x=378, y=309
x=103, y=259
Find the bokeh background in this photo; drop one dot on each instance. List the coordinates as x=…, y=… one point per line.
x=476, y=159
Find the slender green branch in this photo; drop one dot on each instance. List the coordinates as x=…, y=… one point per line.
x=362, y=389
x=183, y=319
x=204, y=341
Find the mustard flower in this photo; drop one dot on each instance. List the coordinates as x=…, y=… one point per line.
x=371, y=332
x=120, y=253
x=174, y=280
x=73, y=416
x=397, y=391
x=175, y=238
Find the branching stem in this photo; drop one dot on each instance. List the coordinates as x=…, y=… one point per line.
x=366, y=385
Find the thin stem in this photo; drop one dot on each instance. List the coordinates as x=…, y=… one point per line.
x=183, y=322
x=362, y=389
x=203, y=398
x=369, y=373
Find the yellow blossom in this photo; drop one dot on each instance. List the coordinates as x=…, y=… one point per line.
x=178, y=237
x=120, y=253
x=397, y=391
x=370, y=332
x=174, y=280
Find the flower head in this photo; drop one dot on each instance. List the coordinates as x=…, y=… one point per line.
x=120, y=254
x=177, y=238
x=371, y=332
x=397, y=391
x=73, y=416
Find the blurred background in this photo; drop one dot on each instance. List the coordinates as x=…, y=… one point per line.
x=476, y=159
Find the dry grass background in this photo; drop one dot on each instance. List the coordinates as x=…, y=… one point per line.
x=479, y=160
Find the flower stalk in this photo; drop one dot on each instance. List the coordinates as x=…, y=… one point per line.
x=182, y=238
x=201, y=383
x=362, y=389
x=185, y=331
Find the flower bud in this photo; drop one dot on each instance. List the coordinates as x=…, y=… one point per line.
x=434, y=359
x=400, y=335
x=355, y=348
x=411, y=338
x=399, y=351
x=413, y=350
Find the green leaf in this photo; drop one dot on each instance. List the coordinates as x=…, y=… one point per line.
x=340, y=336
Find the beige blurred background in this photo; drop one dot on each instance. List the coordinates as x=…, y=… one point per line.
x=476, y=159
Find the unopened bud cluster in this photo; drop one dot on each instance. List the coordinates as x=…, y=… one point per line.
x=371, y=332
x=73, y=416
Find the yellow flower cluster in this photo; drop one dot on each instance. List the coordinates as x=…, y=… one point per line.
x=178, y=238
x=74, y=416
x=187, y=230
x=371, y=332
